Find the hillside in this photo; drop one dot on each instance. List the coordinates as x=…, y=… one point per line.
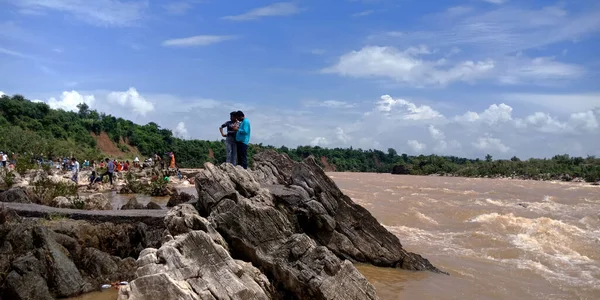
x=31, y=127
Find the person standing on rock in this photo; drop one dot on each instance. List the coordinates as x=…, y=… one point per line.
x=230, y=142
x=242, y=138
x=4, y=159
x=110, y=169
x=75, y=166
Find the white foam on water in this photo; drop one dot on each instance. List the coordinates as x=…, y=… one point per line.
x=425, y=219
x=548, y=247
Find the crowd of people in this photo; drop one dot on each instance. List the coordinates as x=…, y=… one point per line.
x=237, y=138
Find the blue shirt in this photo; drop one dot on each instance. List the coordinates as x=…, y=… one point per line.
x=243, y=133
x=110, y=167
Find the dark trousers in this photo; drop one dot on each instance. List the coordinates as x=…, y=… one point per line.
x=110, y=176
x=242, y=155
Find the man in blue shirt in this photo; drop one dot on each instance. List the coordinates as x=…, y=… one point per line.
x=242, y=138
x=110, y=169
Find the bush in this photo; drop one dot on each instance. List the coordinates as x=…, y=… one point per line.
x=8, y=177
x=45, y=190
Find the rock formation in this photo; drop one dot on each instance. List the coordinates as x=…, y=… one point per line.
x=61, y=258
x=194, y=264
x=291, y=220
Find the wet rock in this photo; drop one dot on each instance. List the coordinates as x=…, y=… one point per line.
x=97, y=202
x=62, y=202
x=17, y=194
x=192, y=266
x=132, y=204
x=179, y=198
x=153, y=205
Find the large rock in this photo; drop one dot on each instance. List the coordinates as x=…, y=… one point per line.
x=179, y=198
x=48, y=259
x=194, y=265
x=97, y=202
x=291, y=220
x=132, y=204
x=62, y=202
x=329, y=216
x=17, y=194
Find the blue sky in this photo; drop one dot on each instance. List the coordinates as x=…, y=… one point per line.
x=464, y=78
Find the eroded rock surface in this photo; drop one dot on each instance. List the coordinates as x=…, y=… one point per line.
x=193, y=264
x=292, y=221
x=48, y=259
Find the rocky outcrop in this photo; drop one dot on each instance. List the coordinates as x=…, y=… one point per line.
x=153, y=205
x=132, y=204
x=97, y=202
x=18, y=195
x=179, y=198
x=292, y=221
x=194, y=264
x=62, y=258
x=61, y=202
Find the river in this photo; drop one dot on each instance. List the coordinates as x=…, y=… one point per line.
x=498, y=239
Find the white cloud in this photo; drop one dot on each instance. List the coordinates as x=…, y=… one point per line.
x=407, y=66
x=319, y=141
x=276, y=9
x=180, y=130
x=419, y=67
x=198, y=40
x=131, y=99
x=586, y=120
x=408, y=110
x=435, y=133
x=416, y=146
x=97, y=12
x=329, y=104
x=543, y=122
x=342, y=136
x=2, y=93
x=178, y=8
x=492, y=115
x=490, y=144
x=559, y=103
x=69, y=100
x=502, y=30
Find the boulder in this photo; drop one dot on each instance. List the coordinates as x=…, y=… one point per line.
x=132, y=204
x=62, y=202
x=153, y=205
x=191, y=265
x=179, y=198
x=97, y=202
x=18, y=195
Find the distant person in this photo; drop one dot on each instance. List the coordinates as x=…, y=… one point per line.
x=172, y=164
x=75, y=168
x=242, y=138
x=110, y=169
x=230, y=142
x=126, y=166
x=94, y=178
x=4, y=159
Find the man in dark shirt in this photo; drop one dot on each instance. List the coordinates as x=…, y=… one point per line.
x=230, y=143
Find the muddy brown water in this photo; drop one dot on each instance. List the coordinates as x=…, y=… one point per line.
x=498, y=239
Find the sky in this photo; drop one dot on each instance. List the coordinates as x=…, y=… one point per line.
x=463, y=78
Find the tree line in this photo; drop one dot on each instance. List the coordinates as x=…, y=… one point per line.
x=37, y=129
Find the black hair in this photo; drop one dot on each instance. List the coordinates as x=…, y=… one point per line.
x=239, y=113
x=233, y=113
